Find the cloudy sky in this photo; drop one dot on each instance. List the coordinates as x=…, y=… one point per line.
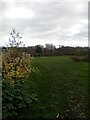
x=42, y=21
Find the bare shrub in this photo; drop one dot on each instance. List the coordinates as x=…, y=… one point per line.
x=76, y=58
x=86, y=58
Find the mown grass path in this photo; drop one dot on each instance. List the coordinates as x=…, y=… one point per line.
x=61, y=87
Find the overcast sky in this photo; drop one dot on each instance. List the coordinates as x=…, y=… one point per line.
x=40, y=22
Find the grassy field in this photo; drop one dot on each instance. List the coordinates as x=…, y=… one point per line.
x=61, y=87
x=0, y=64
x=0, y=61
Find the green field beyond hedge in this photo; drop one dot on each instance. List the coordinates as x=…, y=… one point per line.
x=61, y=87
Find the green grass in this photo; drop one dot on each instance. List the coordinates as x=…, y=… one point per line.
x=0, y=65
x=0, y=61
x=61, y=87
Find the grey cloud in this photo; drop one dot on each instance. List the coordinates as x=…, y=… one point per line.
x=52, y=21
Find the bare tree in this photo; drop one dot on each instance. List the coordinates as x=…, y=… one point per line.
x=14, y=40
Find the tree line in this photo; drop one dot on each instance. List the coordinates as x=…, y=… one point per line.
x=51, y=50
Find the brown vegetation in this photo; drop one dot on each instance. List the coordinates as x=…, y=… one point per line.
x=86, y=58
x=78, y=59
